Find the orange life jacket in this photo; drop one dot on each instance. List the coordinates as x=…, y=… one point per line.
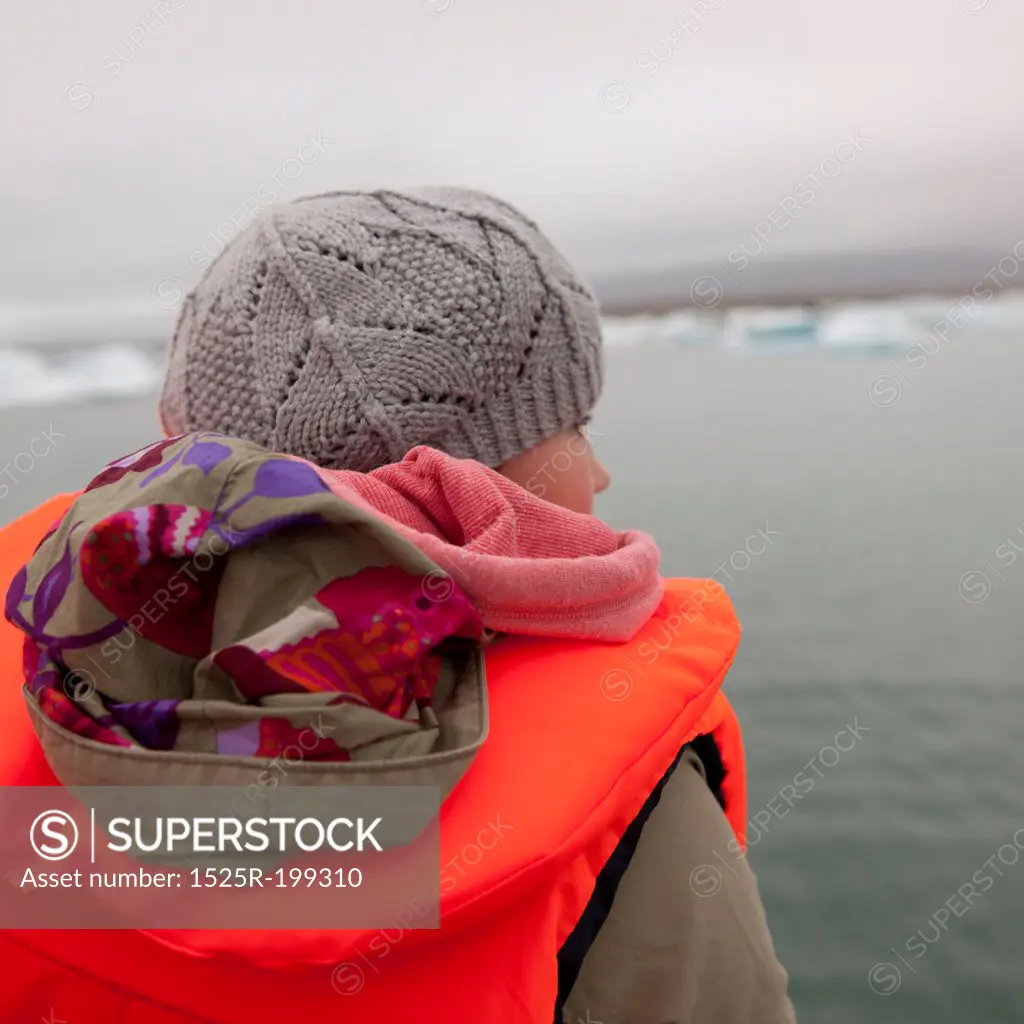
x=523, y=838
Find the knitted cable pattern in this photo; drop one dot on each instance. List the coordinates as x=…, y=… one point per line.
x=350, y=327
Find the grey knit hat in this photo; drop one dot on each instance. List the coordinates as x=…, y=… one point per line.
x=349, y=327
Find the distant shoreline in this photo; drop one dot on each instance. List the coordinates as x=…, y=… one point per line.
x=812, y=280
x=736, y=282
x=795, y=300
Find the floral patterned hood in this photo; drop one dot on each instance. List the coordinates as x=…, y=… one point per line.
x=207, y=602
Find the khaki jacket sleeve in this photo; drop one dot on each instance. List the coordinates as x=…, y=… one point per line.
x=685, y=941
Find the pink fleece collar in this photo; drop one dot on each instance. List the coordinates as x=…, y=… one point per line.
x=528, y=566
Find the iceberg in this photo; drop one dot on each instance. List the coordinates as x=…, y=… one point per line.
x=30, y=378
x=874, y=327
x=760, y=328
x=683, y=328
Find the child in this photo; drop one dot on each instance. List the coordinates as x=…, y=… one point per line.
x=433, y=361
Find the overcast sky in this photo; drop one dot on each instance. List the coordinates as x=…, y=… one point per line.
x=641, y=134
